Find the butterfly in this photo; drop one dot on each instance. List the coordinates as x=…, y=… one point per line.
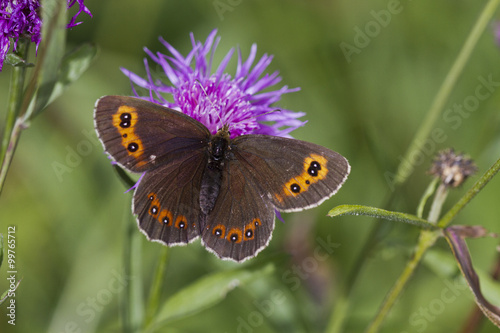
x=196, y=184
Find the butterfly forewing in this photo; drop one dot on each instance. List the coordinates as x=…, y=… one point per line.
x=141, y=135
x=292, y=174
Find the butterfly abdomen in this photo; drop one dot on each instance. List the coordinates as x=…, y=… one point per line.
x=212, y=177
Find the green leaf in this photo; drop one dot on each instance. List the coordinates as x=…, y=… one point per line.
x=50, y=54
x=381, y=214
x=124, y=177
x=73, y=65
x=206, y=292
x=17, y=61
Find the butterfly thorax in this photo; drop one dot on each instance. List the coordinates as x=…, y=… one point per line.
x=218, y=153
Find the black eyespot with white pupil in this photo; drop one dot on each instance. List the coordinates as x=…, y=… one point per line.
x=154, y=210
x=182, y=225
x=218, y=232
x=234, y=238
x=249, y=233
x=295, y=188
x=132, y=147
x=125, y=120
x=165, y=220
x=314, y=167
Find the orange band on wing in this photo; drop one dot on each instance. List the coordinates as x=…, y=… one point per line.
x=125, y=120
x=315, y=169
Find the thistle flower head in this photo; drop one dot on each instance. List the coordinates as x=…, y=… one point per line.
x=452, y=168
x=18, y=18
x=21, y=18
x=216, y=98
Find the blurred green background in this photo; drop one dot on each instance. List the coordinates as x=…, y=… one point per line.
x=72, y=227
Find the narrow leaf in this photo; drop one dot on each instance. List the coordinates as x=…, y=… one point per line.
x=207, y=292
x=381, y=214
x=133, y=301
x=50, y=53
x=73, y=65
x=17, y=61
x=455, y=236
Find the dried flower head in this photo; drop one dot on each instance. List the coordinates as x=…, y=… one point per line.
x=452, y=168
x=216, y=98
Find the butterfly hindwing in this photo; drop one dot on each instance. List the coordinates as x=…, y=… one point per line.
x=242, y=220
x=140, y=135
x=293, y=174
x=166, y=200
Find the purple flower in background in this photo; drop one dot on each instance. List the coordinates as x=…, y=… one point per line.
x=18, y=18
x=82, y=8
x=22, y=18
x=216, y=99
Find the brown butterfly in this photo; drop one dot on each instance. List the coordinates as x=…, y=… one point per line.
x=196, y=184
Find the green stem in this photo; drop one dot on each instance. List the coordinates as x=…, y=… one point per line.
x=406, y=168
x=437, y=204
x=133, y=299
x=13, y=128
x=426, y=240
x=427, y=194
x=478, y=186
x=156, y=287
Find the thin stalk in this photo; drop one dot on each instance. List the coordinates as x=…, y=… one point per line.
x=406, y=168
x=437, y=204
x=12, y=128
x=156, y=287
x=133, y=299
x=426, y=240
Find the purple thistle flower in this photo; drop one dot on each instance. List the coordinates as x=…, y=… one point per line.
x=18, y=18
x=216, y=99
x=82, y=8
x=21, y=18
